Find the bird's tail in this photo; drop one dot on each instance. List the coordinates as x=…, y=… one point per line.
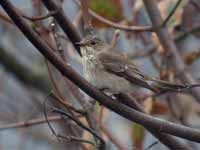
x=165, y=86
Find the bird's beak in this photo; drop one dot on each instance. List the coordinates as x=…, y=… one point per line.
x=81, y=43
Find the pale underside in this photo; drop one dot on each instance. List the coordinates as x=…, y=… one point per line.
x=95, y=73
x=106, y=68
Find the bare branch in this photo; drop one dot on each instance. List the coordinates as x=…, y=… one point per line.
x=66, y=70
x=133, y=28
x=171, y=13
x=152, y=145
x=85, y=13
x=168, y=140
x=102, y=145
x=64, y=22
x=168, y=44
x=185, y=34
x=36, y=18
x=75, y=139
x=22, y=124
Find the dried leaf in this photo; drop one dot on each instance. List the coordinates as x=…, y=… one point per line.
x=191, y=57
x=159, y=108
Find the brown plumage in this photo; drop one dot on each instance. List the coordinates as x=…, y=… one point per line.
x=107, y=68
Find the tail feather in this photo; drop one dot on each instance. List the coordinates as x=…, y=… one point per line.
x=162, y=86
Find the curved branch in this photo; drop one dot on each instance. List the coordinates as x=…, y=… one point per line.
x=119, y=26
x=125, y=111
x=168, y=140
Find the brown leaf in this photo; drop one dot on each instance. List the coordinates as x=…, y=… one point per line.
x=159, y=108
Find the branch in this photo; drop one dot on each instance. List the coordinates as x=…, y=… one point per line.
x=171, y=13
x=75, y=139
x=36, y=18
x=152, y=145
x=125, y=111
x=80, y=124
x=85, y=14
x=132, y=28
x=23, y=73
x=168, y=140
x=66, y=104
x=168, y=44
x=148, y=51
x=64, y=22
x=117, y=25
x=22, y=124
x=120, y=26
x=184, y=35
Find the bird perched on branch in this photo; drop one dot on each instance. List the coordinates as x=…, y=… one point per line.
x=108, y=69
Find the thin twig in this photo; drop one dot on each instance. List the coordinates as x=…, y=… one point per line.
x=185, y=34
x=85, y=13
x=66, y=104
x=115, y=38
x=152, y=145
x=102, y=145
x=171, y=13
x=56, y=87
x=148, y=51
x=120, y=26
x=45, y=115
x=51, y=127
x=22, y=124
x=36, y=18
x=75, y=139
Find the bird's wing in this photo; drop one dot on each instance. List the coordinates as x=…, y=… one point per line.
x=117, y=63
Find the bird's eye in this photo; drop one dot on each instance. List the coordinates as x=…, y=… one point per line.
x=93, y=43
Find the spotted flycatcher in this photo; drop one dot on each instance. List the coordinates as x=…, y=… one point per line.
x=108, y=69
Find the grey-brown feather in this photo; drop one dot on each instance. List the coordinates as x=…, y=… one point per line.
x=95, y=72
x=118, y=64
x=107, y=68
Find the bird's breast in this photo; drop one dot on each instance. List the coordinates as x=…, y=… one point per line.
x=99, y=77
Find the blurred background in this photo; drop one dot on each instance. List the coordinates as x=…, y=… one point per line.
x=25, y=82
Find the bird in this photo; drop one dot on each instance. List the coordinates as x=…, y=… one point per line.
x=110, y=70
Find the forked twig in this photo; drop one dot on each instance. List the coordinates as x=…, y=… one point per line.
x=102, y=145
x=68, y=138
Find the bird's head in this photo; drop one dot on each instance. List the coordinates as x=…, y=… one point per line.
x=91, y=41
